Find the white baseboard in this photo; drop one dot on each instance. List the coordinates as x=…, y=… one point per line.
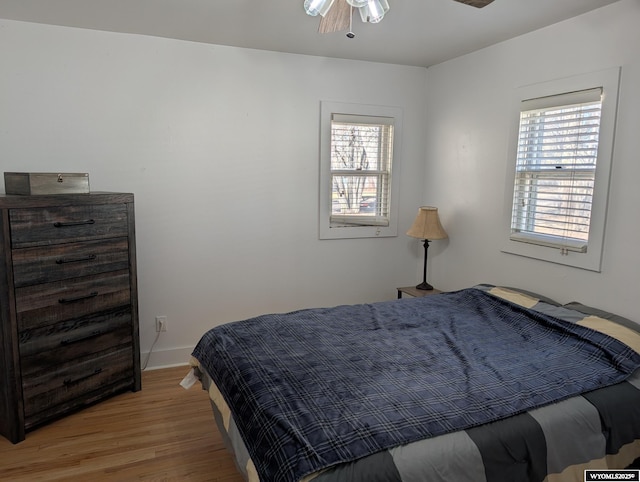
x=167, y=358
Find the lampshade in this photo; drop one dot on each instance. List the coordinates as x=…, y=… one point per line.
x=315, y=7
x=374, y=11
x=427, y=225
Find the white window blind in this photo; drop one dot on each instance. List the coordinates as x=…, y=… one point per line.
x=360, y=169
x=555, y=169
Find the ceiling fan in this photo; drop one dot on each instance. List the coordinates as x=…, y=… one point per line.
x=337, y=15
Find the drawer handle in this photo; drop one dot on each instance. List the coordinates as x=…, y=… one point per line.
x=93, y=294
x=58, y=224
x=69, y=341
x=72, y=381
x=91, y=257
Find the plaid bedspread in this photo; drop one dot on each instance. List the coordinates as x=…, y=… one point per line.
x=314, y=388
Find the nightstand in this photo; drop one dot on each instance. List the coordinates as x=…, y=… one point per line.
x=416, y=293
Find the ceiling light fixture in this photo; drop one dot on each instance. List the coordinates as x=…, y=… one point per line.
x=337, y=14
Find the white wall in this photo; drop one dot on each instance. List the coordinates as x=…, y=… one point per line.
x=468, y=127
x=220, y=147
x=201, y=133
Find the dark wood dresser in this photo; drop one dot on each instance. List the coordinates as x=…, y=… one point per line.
x=68, y=305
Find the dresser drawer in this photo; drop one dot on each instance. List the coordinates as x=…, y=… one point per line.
x=46, y=304
x=59, y=343
x=72, y=260
x=72, y=382
x=62, y=224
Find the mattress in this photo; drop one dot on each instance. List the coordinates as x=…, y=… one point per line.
x=553, y=441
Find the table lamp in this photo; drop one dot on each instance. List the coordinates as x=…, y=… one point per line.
x=426, y=226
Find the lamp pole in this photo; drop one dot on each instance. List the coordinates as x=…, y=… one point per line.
x=424, y=285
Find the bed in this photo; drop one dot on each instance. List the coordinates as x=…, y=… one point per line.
x=482, y=384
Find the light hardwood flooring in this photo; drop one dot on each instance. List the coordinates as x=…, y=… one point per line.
x=161, y=433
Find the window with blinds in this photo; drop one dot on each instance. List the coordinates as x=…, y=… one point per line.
x=361, y=160
x=561, y=153
x=555, y=169
x=360, y=153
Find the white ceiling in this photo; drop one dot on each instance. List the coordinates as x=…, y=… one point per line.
x=418, y=32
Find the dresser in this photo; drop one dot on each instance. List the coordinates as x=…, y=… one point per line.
x=68, y=305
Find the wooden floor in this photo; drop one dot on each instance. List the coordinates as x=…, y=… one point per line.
x=161, y=433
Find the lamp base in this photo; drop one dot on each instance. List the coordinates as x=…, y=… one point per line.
x=424, y=286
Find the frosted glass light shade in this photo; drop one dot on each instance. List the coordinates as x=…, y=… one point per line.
x=374, y=10
x=357, y=3
x=315, y=7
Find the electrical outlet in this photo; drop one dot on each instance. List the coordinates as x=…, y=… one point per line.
x=161, y=323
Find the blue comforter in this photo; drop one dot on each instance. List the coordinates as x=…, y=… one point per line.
x=313, y=388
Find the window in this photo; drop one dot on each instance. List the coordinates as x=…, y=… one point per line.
x=562, y=162
x=556, y=169
x=358, y=167
x=361, y=153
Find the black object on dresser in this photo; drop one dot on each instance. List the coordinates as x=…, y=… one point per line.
x=68, y=305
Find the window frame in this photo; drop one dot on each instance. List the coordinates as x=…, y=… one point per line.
x=576, y=254
x=336, y=227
